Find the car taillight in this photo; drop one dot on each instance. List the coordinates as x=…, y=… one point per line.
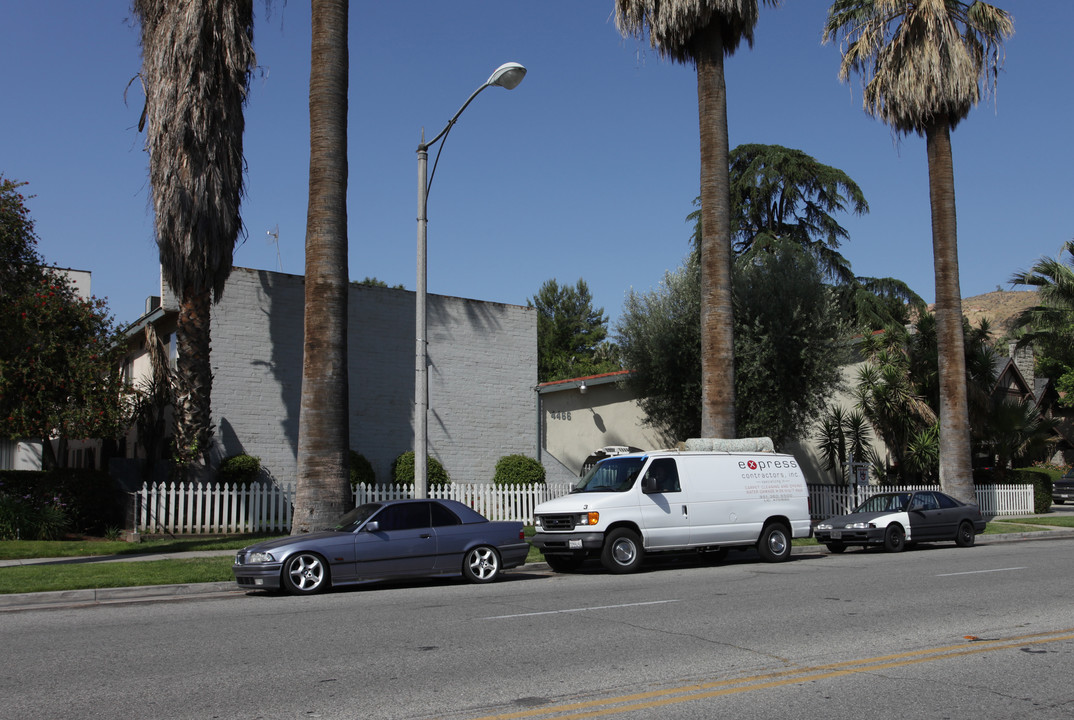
x=522, y=534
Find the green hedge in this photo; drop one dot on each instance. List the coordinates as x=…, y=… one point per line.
x=43, y=505
x=518, y=470
x=403, y=470
x=362, y=470
x=1041, y=480
x=241, y=468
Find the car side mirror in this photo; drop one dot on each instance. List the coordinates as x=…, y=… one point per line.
x=372, y=526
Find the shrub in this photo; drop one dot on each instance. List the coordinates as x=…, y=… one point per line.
x=56, y=501
x=403, y=470
x=518, y=470
x=362, y=470
x=30, y=518
x=1042, y=487
x=240, y=468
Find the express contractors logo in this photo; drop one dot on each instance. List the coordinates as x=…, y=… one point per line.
x=781, y=464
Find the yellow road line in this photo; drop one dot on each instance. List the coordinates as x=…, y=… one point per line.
x=718, y=688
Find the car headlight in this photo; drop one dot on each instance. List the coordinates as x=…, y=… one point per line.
x=824, y=526
x=591, y=518
x=258, y=558
x=860, y=526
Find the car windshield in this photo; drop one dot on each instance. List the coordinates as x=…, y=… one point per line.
x=611, y=475
x=893, y=502
x=350, y=521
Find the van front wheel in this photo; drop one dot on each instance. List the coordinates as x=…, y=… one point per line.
x=622, y=551
x=774, y=545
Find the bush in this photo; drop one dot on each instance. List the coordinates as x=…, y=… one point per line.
x=518, y=470
x=240, y=468
x=42, y=505
x=403, y=470
x=362, y=470
x=1042, y=487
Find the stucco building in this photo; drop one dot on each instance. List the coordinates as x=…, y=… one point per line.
x=482, y=371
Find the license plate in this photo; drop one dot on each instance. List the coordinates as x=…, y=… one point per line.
x=836, y=534
x=574, y=544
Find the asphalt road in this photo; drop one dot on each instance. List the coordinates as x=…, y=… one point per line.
x=936, y=632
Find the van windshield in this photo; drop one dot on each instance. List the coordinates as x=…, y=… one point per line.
x=611, y=475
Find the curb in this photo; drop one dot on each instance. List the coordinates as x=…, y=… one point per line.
x=104, y=596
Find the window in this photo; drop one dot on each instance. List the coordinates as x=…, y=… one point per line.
x=946, y=502
x=442, y=516
x=664, y=475
x=7, y=454
x=924, y=501
x=405, y=516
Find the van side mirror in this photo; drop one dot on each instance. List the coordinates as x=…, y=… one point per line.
x=648, y=484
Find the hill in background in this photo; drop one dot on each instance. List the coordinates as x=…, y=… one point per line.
x=1000, y=308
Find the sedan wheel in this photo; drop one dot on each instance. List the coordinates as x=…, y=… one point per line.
x=894, y=538
x=305, y=574
x=966, y=535
x=481, y=565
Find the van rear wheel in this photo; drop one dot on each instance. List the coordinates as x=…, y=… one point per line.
x=622, y=551
x=774, y=545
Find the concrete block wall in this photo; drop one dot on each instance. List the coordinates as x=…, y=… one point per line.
x=483, y=370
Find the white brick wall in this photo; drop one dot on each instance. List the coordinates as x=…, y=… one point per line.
x=483, y=369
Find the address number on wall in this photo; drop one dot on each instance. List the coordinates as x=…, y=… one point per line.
x=560, y=414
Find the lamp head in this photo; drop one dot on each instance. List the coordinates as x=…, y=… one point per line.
x=508, y=75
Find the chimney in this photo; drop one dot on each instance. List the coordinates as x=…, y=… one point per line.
x=1023, y=359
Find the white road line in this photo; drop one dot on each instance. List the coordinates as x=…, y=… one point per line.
x=575, y=610
x=978, y=572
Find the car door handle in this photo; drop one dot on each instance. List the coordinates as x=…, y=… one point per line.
x=425, y=536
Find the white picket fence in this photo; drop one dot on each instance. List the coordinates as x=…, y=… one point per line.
x=993, y=499
x=197, y=508
x=220, y=508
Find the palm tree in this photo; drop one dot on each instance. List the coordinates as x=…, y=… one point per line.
x=196, y=62
x=924, y=64
x=321, y=493
x=1054, y=315
x=702, y=32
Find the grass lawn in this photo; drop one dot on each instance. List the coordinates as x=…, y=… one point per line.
x=23, y=549
x=94, y=575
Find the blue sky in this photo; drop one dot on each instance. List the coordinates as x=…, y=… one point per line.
x=588, y=169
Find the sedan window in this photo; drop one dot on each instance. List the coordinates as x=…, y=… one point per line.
x=946, y=502
x=442, y=516
x=924, y=501
x=404, y=516
x=350, y=521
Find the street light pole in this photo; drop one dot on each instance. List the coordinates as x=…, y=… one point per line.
x=508, y=76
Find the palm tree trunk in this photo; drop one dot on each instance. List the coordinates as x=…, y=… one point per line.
x=321, y=494
x=194, y=380
x=717, y=328
x=956, y=471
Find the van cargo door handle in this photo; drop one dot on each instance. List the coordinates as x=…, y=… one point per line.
x=685, y=512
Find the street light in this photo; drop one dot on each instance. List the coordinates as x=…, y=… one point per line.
x=508, y=76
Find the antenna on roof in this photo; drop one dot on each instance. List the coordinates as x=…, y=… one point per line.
x=274, y=239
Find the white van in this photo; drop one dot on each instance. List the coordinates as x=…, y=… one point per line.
x=675, y=500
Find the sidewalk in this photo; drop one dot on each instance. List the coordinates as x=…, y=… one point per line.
x=75, y=598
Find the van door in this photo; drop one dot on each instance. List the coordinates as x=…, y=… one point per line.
x=664, y=506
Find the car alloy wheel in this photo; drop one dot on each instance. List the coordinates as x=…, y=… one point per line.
x=304, y=574
x=481, y=565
